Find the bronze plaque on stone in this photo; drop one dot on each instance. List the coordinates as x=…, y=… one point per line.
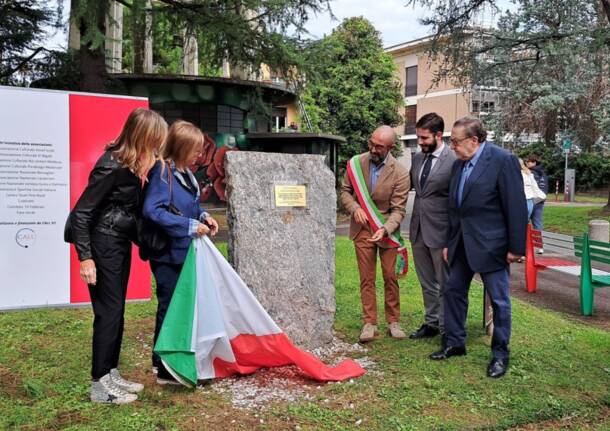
x=290, y=195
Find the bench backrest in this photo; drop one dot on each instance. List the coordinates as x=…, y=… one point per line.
x=599, y=251
x=554, y=242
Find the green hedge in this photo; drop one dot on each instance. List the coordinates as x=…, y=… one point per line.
x=592, y=169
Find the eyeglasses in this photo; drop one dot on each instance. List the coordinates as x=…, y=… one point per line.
x=377, y=147
x=455, y=142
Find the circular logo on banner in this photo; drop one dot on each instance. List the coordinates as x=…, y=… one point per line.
x=25, y=237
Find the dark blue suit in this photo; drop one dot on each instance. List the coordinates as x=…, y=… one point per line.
x=490, y=221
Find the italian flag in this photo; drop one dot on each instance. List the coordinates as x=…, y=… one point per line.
x=215, y=327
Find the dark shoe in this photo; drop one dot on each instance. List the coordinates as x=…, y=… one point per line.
x=448, y=352
x=424, y=331
x=497, y=367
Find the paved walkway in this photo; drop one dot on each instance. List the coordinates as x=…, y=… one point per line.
x=552, y=203
x=560, y=292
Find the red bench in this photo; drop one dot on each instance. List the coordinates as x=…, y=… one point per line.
x=560, y=245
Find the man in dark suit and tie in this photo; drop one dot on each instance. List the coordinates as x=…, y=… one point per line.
x=487, y=228
x=430, y=176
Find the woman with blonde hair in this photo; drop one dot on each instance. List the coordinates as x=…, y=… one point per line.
x=102, y=226
x=171, y=203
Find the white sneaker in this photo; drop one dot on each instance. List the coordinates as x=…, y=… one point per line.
x=369, y=332
x=126, y=385
x=395, y=331
x=106, y=391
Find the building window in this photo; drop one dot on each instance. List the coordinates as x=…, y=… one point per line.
x=483, y=102
x=209, y=118
x=411, y=81
x=230, y=120
x=278, y=119
x=410, y=119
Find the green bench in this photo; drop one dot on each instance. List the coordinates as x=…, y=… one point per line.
x=565, y=250
x=591, y=251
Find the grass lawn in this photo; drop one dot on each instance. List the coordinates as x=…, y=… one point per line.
x=589, y=198
x=571, y=220
x=559, y=376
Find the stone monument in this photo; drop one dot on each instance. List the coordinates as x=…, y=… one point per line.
x=282, y=217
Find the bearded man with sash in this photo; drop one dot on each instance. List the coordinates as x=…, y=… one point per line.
x=374, y=192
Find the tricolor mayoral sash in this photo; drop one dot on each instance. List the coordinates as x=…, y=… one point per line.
x=374, y=216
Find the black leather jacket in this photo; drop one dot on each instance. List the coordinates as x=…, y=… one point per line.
x=110, y=204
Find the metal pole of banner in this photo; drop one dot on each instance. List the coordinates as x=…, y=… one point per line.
x=488, y=314
x=484, y=312
x=567, y=192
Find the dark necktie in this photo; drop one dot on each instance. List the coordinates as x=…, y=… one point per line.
x=425, y=170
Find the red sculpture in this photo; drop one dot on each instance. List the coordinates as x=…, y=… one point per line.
x=212, y=160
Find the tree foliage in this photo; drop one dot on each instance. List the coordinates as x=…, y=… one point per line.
x=166, y=33
x=352, y=87
x=548, y=61
x=592, y=169
x=23, y=27
x=246, y=32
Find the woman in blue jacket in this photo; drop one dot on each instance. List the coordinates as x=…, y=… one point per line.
x=171, y=202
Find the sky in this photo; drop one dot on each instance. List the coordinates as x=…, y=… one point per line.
x=396, y=22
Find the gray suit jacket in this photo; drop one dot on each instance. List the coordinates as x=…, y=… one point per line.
x=430, y=209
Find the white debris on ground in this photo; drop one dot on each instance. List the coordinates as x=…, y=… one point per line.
x=336, y=347
x=250, y=392
x=286, y=384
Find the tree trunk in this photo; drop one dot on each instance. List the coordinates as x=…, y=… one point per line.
x=138, y=29
x=607, y=207
x=93, y=76
x=550, y=129
x=606, y=6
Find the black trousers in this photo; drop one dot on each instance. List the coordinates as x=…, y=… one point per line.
x=112, y=257
x=166, y=277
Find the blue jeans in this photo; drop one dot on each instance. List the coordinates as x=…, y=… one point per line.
x=536, y=216
x=166, y=277
x=530, y=207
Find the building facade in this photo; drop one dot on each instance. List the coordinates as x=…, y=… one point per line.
x=421, y=95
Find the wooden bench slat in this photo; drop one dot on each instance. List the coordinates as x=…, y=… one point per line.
x=557, y=236
x=600, y=244
x=599, y=272
x=559, y=248
x=559, y=241
x=601, y=259
x=599, y=251
x=554, y=261
x=572, y=270
x=602, y=279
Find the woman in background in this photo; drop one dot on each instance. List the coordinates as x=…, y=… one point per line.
x=528, y=179
x=103, y=226
x=171, y=202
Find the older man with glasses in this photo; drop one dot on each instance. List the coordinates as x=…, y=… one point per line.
x=487, y=226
